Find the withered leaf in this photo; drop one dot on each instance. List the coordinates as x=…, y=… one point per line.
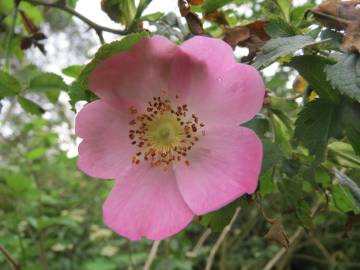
x=30, y=27
x=277, y=234
x=216, y=16
x=336, y=14
x=196, y=2
x=350, y=222
x=253, y=36
x=192, y=19
x=352, y=37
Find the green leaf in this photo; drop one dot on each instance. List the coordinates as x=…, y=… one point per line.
x=47, y=82
x=9, y=85
x=79, y=89
x=312, y=68
x=317, y=122
x=344, y=155
x=277, y=27
x=271, y=155
x=346, y=181
x=73, y=71
x=219, y=219
x=282, y=135
x=303, y=213
x=351, y=120
x=122, y=11
x=282, y=46
x=36, y=153
x=153, y=17
x=30, y=106
x=211, y=5
x=259, y=125
x=18, y=183
x=267, y=186
x=285, y=6
x=342, y=199
x=345, y=75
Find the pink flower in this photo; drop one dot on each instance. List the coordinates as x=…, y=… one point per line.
x=166, y=127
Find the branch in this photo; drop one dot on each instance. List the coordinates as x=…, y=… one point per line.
x=14, y=264
x=220, y=240
x=98, y=28
x=152, y=255
x=195, y=251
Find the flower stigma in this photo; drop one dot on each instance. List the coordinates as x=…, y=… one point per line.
x=164, y=133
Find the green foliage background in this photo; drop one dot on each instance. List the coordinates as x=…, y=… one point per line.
x=50, y=213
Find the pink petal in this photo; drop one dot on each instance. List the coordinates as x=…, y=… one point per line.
x=137, y=74
x=106, y=151
x=215, y=53
x=224, y=165
x=146, y=203
x=232, y=98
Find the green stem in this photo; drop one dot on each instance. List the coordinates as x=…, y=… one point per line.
x=9, y=38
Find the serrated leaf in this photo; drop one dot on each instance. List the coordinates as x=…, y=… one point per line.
x=153, y=17
x=72, y=71
x=9, y=85
x=351, y=120
x=317, y=122
x=278, y=47
x=47, y=82
x=30, y=106
x=267, y=186
x=79, y=88
x=277, y=27
x=345, y=75
x=312, y=69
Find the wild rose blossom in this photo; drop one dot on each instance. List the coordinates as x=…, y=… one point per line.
x=166, y=127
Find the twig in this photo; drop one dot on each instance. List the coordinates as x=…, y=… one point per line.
x=10, y=36
x=299, y=233
x=195, y=251
x=152, y=255
x=221, y=238
x=98, y=28
x=14, y=264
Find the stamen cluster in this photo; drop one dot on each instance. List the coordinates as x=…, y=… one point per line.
x=164, y=133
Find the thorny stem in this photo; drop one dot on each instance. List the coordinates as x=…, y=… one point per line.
x=9, y=37
x=14, y=264
x=221, y=239
x=152, y=255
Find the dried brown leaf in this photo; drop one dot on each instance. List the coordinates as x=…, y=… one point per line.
x=192, y=19
x=196, y=2
x=350, y=222
x=336, y=14
x=30, y=27
x=252, y=36
x=352, y=37
x=277, y=234
x=216, y=16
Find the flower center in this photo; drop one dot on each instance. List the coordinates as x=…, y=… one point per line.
x=164, y=133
